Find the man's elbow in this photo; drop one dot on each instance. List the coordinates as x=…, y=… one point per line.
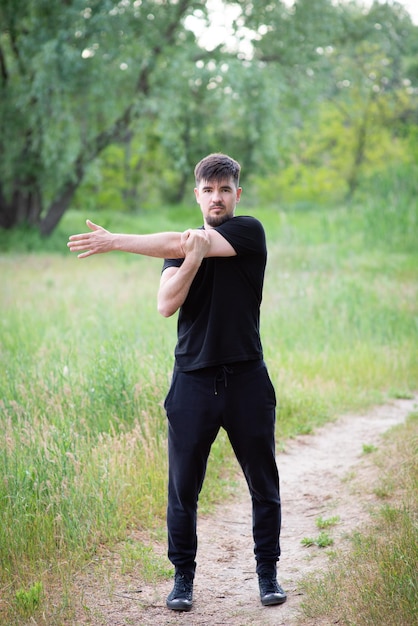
x=165, y=309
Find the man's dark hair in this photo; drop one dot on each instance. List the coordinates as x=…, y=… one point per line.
x=217, y=167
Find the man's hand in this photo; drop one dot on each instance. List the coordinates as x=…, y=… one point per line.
x=195, y=244
x=96, y=242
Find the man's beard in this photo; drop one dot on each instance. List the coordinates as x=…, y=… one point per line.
x=217, y=220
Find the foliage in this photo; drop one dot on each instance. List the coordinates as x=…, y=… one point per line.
x=110, y=105
x=327, y=522
x=74, y=77
x=28, y=600
x=323, y=540
x=354, y=93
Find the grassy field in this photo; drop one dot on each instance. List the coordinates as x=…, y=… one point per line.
x=85, y=363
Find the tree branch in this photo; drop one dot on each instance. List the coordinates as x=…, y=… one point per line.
x=3, y=68
x=116, y=131
x=15, y=49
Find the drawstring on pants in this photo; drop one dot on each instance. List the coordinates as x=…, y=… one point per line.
x=221, y=376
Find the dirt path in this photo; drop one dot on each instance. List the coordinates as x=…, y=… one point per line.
x=322, y=475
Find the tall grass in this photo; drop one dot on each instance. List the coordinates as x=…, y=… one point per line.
x=82, y=361
x=85, y=363
x=341, y=312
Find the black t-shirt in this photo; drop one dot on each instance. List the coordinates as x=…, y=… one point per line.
x=219, y=322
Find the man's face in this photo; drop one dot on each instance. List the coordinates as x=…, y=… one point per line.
x=217, y=200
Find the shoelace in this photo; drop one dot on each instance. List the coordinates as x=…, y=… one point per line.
x=182, y=584
x=269, y=585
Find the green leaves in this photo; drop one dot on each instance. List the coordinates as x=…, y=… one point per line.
x=322, y=98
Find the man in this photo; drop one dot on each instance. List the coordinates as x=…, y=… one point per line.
x=214, y=277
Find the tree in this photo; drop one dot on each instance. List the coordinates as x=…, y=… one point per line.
x=346, y=74
x=124, y=86
x=73, y=78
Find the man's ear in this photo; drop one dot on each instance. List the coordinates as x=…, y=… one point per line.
x=196, y=193
x=239, y=192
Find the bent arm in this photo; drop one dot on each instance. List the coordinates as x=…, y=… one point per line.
x=176, y=281
x=100, y=240
x=174, y=286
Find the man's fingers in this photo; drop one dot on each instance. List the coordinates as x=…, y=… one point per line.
x=81, y=236
x=91, y=242
x=92, y=225
x=185, y=235
x=78, y=242
x=77, y=245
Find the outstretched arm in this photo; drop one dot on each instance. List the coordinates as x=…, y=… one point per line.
x=100, y=240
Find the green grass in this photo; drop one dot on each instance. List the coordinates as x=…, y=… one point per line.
x=377, y=581
x=28, y=600
x=323, y=540
x=85, y=363
x=342, y=307
x=327, y=522
x=152, y=566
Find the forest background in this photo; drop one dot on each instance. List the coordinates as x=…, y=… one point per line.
x=105, y=107
x=109, y=104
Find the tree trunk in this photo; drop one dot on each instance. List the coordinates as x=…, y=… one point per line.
x=353, y=176
x=23, y=207
x=360, y=151
x=57, y=209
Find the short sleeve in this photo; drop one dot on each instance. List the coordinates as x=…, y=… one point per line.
x=245, y=234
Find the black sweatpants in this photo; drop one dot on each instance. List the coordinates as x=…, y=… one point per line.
x=241, y=399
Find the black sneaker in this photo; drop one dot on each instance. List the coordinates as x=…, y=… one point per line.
x=270, y=591
x=181, y=598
